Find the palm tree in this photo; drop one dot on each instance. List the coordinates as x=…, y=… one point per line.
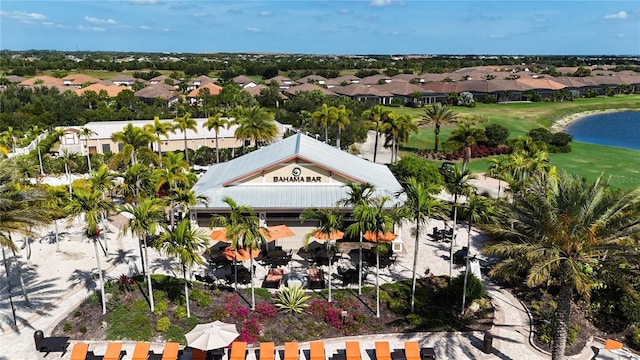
x=186, y=244
x=242, y=228
x=86, y=132
x=397, y=130
x=464, y=136
x=158, y=129
x=438, y=114
x=173, y=174
x=216, y=123
x=93, y=206
x=358, y=194
x=457, y=183
x=68, y=158
x=496, y=169
x=136, y=183
x=562, y=228
x=325, y=117
x=181, y=199
x=146, y=219
x=102, y=180
x=255, y=123
x=376, y=116
x=377, y=219
x=184, y=123
x=136, y=138
x=329, y=221
x=342, y=121
x=477, y=209
x=421, y=206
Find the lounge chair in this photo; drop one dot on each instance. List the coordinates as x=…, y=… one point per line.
x=171, y=351
x=267, y=351
x=291, y=351
x=141, y=351
x=238, y=350
x=382, y=350
x=197, y=354
x=79, y=351
x=274, y=278
x=352, y=350
x=412, y=350
x=316, y=279
x=114, y=351
x=316, y=351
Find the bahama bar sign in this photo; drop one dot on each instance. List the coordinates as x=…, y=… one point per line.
x=297, y=177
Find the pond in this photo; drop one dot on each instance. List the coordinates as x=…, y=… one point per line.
x=620, y=129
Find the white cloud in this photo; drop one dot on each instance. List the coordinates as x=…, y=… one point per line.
x=265, y=13
x=23, y=16
x=144, y=2
x=379, y=3
x=253, y=29
x=91, y=28
x=622, y=15
x=96, y=21
x=143, y=27
x=496, y=36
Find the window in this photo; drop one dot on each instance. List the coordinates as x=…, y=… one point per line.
x=106, y=148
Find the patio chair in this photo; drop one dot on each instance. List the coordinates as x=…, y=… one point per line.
x=316, y=350
x=114, y=351
x=79, y=351
x=291, y=351
x=382, y=350
x=274, y=278
x=238, y=350
x=141, y=351
x=197, y=354
x=352, y=350
x=267, y=351
x=316, y=279
x=412, y=350
x=171, y=351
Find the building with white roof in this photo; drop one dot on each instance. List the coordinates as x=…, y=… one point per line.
x=279, y=181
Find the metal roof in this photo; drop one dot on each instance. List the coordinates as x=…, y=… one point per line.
x=225, y=179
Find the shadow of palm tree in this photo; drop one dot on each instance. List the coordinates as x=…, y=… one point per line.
x=165, y=266
x=122, y=256
x=83, y=277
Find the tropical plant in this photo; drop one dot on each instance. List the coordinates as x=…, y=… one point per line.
x=464, y=136
x=342, y=121
x=92, y=206
x=438, y=114
x=292, y=299
x=136, y=183
x=376, y=116
x=186, y=244
x=397, y=130
x=559, y=231
x=255, y=123
x=159, y=129
x=216, y=122
x=325, y=117
x=86, y=132
x=145, y=220
x=457, y=183
x=135, y=140
x=184, y=123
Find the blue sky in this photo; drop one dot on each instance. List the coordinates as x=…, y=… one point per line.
x=324, y=26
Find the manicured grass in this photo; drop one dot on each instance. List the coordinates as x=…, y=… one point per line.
x=587, y=160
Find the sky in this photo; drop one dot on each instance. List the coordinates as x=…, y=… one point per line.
x=508, y=27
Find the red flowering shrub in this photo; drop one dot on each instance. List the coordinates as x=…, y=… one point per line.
x=234, y=308
x=266, y=310
x=250, y=331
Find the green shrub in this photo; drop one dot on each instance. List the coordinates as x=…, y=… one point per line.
x=201, y=298
x=263, y=293
x=572, y=333
x=161, y=307
x=66, y=327
x=474, y=288
x=159, y=295
x=77, y=313
x=175, y=334
x=163, y=324
x=181, y=312
x=219, y=313
x=634, y=338
x=398, y=306
x=414, y=319
x=83, y=329
x=292, y=299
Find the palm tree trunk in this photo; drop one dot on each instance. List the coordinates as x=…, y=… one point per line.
x=6, y=270
x=563, y=313
x=186, y=289
x=466, y=270
x=148, y=272
x=104, y=300
x=375, y=145
x=329, y=277
x=326, y=134
x=66, y=170
x=253, y=294
x=453, y=235
x=159, y=150
x=338, y=139
x=377, y=280
x=186, y=151
x=415, y=267
x=360, y=267
x=436, y=131
x=217, y=150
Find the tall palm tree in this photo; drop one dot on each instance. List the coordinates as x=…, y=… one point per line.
x=146, y=220
x=181, y=199
x=325, y=117
x=173, y=174
x=136, y=184
x=255, y=123
x=457, y=183
x=464, y=136
x=186, y=244
x=342, y=121
x=68, y=158
x=376, y=218
x=562, y=228
x=477, y=209
x=159, y=129
x=376, y=116
x=358, y=194
x=397, y=130
x=87, y=133
x=438, y=114
x=184, y=123
x=216, y=122
x=92, y=206
x=421, y=206
x=497, y=169
x=136, y=138
x=102, y=180
x=242, y=228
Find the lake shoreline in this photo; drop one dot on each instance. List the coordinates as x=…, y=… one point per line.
x=562, y=123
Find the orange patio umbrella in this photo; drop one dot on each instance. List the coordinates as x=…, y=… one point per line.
x=272, y=233
x=334, y=235
x=611, y=344
x=230, y=253
x=219, y=235
x=386, y=237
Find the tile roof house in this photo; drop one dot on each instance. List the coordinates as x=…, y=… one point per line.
x=165, y=92
x=314, y=79
x=41, y=80
x=375, y=80
x=161, y=79
x=405, y=92
x=123, y=80
x=77, y=80
x=192, y=96
x=15, y=79
x=244, y=81
x=347, y=79
x=112, y=90
x=309, y=87
x=361, y=92
x=283, y=82
x=198, y=82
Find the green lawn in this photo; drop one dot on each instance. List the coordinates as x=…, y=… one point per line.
x=585, y=159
